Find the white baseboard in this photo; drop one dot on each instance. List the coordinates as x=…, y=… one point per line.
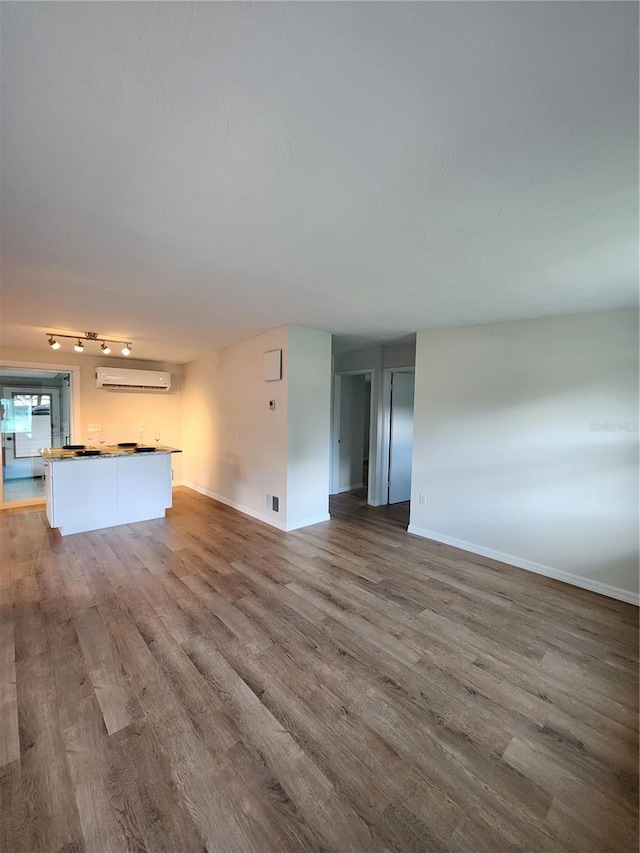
x=530, y=566
x=350, y=488
x=296, y=525
x=259, y=516
x=273, y=522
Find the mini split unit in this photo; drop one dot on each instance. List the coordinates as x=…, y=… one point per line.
x=132, y=380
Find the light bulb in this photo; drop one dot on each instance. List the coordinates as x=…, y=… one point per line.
x=126, y=349
x=53, y=343
x=79, y=347
x=106, y=349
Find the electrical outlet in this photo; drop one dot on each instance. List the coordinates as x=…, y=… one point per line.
x=93, y=428
x=238, y=432
x=142, y=427
x=422, y=498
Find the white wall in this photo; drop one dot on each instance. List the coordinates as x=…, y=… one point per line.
x=119, y=413
x=506, y=454
x=372, y=358
x=309, y=406
x=237, y=450
x=368, y=358
x=235, y=447
x=399, y=355
x=401, y=402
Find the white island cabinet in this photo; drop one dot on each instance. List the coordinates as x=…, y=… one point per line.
x=117, y=487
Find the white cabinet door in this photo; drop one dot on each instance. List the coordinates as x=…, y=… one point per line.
x=84, y=494
x=144, y=486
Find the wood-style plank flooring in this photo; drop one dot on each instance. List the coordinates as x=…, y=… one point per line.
x=204, y=682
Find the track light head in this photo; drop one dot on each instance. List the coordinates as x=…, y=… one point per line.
x=80, y=338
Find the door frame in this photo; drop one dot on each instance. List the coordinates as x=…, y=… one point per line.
x=385, y=435
x=336, y=406
x=9, y=391
x=74, y=405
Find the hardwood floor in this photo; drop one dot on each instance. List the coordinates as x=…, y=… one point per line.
x=204, y=682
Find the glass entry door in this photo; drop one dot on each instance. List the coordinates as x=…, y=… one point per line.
x=35, y=413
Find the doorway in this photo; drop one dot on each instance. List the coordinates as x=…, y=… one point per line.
x=372, y=434
x=351, y=468
x=35, y=413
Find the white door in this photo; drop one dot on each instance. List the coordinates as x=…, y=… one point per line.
x=401, y=437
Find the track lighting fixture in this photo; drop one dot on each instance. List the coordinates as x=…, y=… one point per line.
x=88, y=336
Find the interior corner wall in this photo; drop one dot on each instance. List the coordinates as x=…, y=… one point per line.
x=119, y=413
x=308, y=431
x=235, y=446
x=526, y=445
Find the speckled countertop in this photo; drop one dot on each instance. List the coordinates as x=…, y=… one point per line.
x=55, y=454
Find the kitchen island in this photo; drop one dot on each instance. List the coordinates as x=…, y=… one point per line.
x=117, y=486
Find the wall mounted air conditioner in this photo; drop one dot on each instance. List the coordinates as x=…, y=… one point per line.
x=132, y=380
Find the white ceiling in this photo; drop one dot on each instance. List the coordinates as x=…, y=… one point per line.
x=189, y=174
